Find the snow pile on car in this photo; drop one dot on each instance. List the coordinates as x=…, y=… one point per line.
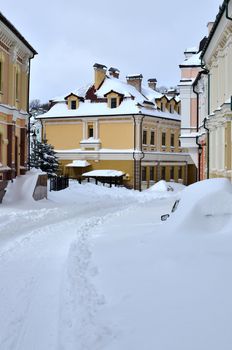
x=204, y=206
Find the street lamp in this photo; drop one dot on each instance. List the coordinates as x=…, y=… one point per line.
x=34, y=138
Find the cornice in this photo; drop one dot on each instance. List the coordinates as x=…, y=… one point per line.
x=15, y=46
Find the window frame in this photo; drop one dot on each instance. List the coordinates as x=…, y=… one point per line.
x=152, y=172
x=90, y=134
x=1, y=76
x=144, y=174
x=71, y=104
x=113, y=102
x=144, y=136
x=172, y=138
x=163, y=136
x=152, y=139
x=172, y=173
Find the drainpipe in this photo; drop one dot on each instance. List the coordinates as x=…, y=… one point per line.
x=143, y=155
x=207, y=146
x=227, y=10
x=134, y=151
x=199, y=158
x=197, y=137
x=30, y=115
x=205, y=119
x=197, y=127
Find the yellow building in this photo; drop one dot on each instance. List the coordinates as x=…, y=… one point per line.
x=112, y=124
x=15, y=56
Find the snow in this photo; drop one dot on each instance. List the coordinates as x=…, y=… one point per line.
x=22, y=188
x=95, y=268
x=127, y=107
x=194, y=60
x=104, y=173
x=78, y=164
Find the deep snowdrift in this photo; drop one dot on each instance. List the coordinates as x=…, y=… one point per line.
x=95, y=268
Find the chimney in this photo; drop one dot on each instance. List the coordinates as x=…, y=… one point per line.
x=210, y=26
x=135, y=80
x=152, y=83
x=100, y=73
x=114, y=72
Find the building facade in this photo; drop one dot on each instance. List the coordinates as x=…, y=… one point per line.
x=217, y=59
x=193, y=95
x=15, y=56
x=125, y=126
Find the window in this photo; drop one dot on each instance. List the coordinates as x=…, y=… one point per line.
x=152, y=173
x=163, y=173
x=180, y=172
x=113, y=102
x=172, y=140
x=163, y=139
x=171, y=109
x=144, y=174
x=162, y=106
x=144, y=137
x=172, y=173
x=90, y=130
x=17, y=85
x=179, y=110
x=152, y=138
x=0, y=148
x=1, y=74
x=73, y=104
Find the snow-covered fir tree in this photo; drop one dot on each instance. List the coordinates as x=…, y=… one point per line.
x=44, y=157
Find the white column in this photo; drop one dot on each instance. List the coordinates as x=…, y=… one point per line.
x=96, y=134
x=84, y=128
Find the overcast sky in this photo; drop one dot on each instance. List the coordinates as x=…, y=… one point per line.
x=147, y=37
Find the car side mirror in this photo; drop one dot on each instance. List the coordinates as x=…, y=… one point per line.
x=164, y=217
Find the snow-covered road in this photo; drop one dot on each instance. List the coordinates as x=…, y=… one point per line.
x=94, y=268
x=34, y=251
x=46, y=299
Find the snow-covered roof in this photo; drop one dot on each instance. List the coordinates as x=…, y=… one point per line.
x=104, y=173
x=78, y=164
x=111, y=83
x=86, y=109
x=191, y=50
x=78, y=92
x=194, y=60
x=134, y=102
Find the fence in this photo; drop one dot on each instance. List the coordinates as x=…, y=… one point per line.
x=58, y=183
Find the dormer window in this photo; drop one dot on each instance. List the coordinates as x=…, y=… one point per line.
x=73, y=101
x=114, y=99
x=73, y=104
x=171, y=109
x=113, y=102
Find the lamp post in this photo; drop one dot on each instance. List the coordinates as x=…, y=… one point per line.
x=34, y=138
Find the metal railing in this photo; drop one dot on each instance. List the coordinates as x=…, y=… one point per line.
x=58, y=183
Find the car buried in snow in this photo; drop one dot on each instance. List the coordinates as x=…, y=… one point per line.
x=205, y=204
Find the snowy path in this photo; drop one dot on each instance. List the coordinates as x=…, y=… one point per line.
x=34, y=254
